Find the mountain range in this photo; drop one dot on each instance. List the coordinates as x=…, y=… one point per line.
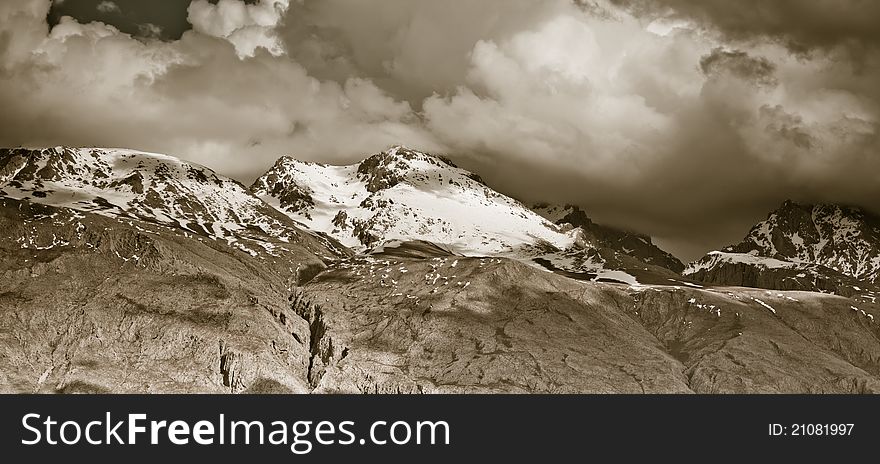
x=125, y=271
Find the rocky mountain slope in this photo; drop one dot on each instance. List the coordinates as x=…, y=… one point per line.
x=403, y=195
x=428, y=322
x=125, y=271
x=95, y=304
x=810, y=247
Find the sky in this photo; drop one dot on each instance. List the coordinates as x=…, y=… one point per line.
x=685, y=120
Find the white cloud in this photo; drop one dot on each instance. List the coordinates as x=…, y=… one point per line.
x=108, y=7
x=247, y=26
x=545, y=99
x=150, y=30
x=87, y=84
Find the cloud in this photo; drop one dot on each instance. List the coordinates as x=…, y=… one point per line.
x=150, y=30
x=411, y=48
x=107, y=7
x=799, y=25
x=531, y=97
x=247, y=26
x=89, y=84
x=759, y=71
x=675, y=124
x=678, y=134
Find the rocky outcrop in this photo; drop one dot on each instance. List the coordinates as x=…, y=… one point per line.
x=290, y=195
x=806, y=278
x=476, y=325
x=844, y=239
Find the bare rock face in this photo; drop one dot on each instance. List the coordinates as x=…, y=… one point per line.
x=92, y=304
x=804, y=277
x=737, y=340
x=844, y=239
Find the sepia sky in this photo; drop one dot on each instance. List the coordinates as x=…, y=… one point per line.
x=687, y=120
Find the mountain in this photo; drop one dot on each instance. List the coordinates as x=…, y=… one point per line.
x=93, y=303
x=130, y=272
x=814, y=247
x=403, y=195
x=98, y=304
x=428, y=322
x=213, y=291
x=159, y=189
x=639, y=246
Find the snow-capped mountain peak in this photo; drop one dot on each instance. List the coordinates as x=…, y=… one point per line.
x=822, y=246
x=400, y=164
x=146, y=186
x=842, y=238
x=404, y=194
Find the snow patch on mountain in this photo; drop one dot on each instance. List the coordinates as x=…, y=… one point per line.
x=716, y=258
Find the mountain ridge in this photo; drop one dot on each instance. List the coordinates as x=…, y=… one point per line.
x=638, y=245
x=155, y=188
x=402, y=194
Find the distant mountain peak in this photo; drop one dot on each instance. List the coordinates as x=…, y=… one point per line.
x=637, y=245
x=844, y=240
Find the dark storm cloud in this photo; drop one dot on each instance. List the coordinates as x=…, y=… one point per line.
x=757, y=70
x=786, y=126
x=801, y=25
x=647, y=116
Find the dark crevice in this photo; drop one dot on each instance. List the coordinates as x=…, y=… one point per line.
x=321, y=345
